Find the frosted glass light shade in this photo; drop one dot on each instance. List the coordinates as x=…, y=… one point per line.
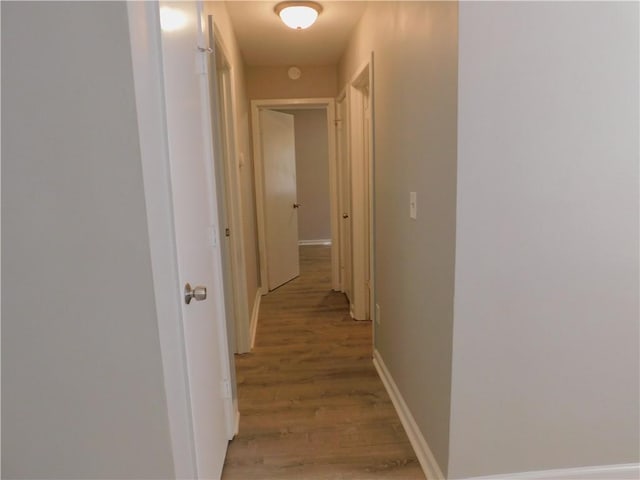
x=172, y=19
x=298, y=15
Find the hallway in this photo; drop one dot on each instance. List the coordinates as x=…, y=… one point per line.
x=311, y=403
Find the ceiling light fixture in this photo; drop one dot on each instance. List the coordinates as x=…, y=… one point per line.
x=172, y=19
x=298, y=15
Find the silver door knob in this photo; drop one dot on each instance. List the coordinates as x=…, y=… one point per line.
x=198, y=293
x=297, y=205
x=345, y=215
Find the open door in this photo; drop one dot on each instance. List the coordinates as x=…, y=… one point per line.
x=344, y=170
x=360, y=157
x=195, y=223
x=229, y=199
x=277, y=143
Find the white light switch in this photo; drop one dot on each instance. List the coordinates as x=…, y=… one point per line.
x=413, y=207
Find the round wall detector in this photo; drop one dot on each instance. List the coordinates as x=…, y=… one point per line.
x=294, y=73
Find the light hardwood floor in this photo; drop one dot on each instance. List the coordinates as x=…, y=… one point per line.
x=311, y=403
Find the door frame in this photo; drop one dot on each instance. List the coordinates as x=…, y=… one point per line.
x=327, y=104
x=224, y=121
x=342, y=161
x=359, y=88
x=146, y=52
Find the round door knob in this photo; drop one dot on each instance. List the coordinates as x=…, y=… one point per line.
x=297, y=205
x=198, y=293
x=345, y=215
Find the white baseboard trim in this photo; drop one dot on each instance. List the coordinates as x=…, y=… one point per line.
x=322, y=241
x=236, y=427
x=423, y=452
x=628, y=471
x=253, y=326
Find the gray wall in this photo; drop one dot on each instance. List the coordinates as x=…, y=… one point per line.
x=312, y=173
x=545, y=366
x=83, y=392
x=273, y=82
x=415, y=95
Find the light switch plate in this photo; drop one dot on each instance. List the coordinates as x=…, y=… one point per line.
x=413, y=206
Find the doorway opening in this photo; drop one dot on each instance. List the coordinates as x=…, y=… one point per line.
x=312, y=175
x=276, y=195
x=355, y=187
x=350, y=142
x=229, y=202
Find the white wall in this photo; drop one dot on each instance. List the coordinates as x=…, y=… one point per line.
x=545, y=352
x=82, y=380
x=414, y=97
x=312, y=173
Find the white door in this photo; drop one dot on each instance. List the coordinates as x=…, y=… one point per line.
x=359, y=150
x=228, y=198
x=199, y=263
x=368, y=188
x=345, y=198
x=281, y=204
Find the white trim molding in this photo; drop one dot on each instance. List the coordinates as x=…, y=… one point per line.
x=628, y=471
x=431, y=469
x=427, y=461
x=236, y=427
x=254, y=317
x=321, y=241
x=223, y=110
x=360, y=147
x=327, y=104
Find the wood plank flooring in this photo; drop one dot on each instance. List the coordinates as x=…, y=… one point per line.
x=311, y=403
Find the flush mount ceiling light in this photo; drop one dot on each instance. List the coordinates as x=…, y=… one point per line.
x=298, y=15
x=172, y=19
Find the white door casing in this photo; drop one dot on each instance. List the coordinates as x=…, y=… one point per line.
x=230, y=201
x=361, y=206
x=368, y=168
x=327, y=104
x=280, y=196
x=176, y=148
x=344, y=171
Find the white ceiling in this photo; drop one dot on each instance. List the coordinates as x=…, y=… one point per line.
x=266, y=41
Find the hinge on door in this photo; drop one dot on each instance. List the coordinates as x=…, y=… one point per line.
x=227, y=232
x=225, y=388
x=201, y=59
